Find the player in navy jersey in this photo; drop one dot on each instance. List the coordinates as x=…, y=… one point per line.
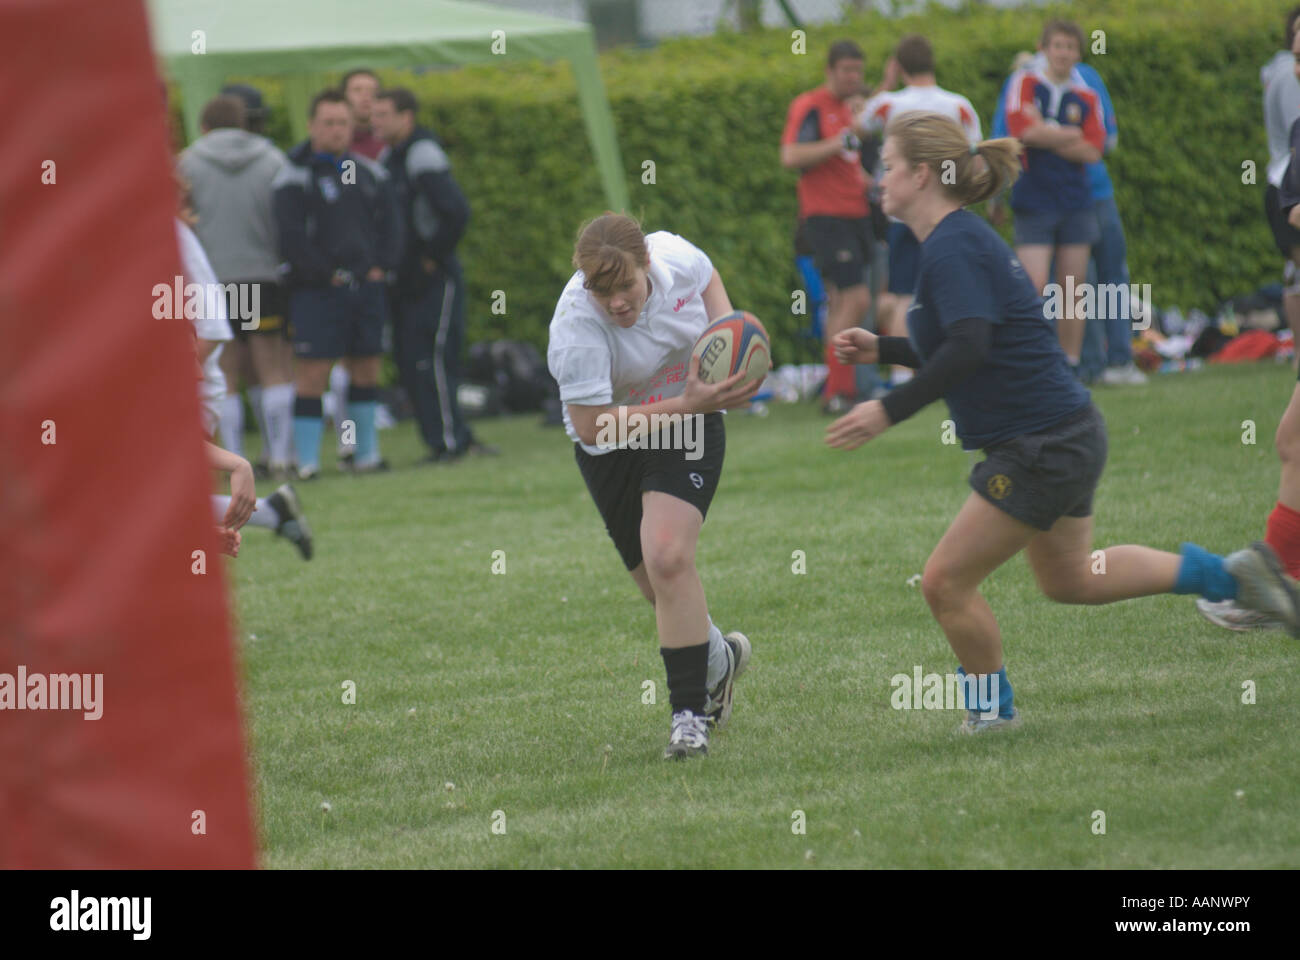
x=979, y=339
x=620, y=349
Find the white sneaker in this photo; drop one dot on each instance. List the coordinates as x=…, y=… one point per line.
x=976, y=723
x=1126, y=376
x=1263, y=585
x=690, y=736
x=1226, y=614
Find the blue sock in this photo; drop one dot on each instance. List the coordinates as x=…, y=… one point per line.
x=307, y=430
x=1204, y=573
x=984, y=691
x=362, y=402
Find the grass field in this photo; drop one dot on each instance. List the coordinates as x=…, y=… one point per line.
x=524, y=689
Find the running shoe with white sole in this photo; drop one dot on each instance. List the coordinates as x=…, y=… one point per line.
x=1226, y=614
x=1263, y=586
x=974, y=723
x=690, y=736
x=1126, y=376
x=293, y=522
x=722, y=697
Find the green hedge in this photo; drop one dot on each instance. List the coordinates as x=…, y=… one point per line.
x=1183, y=75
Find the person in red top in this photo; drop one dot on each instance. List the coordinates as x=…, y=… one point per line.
x=359, y=89
x=820, y=143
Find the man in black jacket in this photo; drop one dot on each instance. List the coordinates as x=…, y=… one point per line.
x=429, y=301
x=341, y=236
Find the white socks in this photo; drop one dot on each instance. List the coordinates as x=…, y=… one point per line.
x=277, y=422
x=264, y=514
x=717, y=657
x=230, y=417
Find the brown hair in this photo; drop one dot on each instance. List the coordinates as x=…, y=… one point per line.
x=934, y=140
x=325, y=96
x=843, y=50
x=222, y=112
x=609, y=248
x=914, y=55
x=1067, y=27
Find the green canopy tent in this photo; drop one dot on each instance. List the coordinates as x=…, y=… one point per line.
x=202, y=42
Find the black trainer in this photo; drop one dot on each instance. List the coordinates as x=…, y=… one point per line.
x=293, y=522
x=722, y=697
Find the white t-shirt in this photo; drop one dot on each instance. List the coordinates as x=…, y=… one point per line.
x=598, y=363
x=209, y=324
x=884, y=106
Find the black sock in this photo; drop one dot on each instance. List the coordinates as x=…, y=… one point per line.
x=688, y=671
x=307, y=406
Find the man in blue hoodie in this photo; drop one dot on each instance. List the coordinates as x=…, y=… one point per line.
x=230, y=169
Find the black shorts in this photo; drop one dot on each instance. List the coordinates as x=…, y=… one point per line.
x=269, y=316
x=617, y=479
x=328, y=323
x=1285, y=236
x=1041, y=477
x=842, y=248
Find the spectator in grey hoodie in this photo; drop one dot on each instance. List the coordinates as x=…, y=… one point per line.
x=230, y=170
x=1281, y=109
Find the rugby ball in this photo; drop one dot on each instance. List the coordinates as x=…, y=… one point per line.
x=731, y=344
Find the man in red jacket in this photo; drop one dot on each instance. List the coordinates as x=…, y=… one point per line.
x=820, y=143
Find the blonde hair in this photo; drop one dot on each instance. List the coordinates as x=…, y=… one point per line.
x=935, y=140
x=608, y=250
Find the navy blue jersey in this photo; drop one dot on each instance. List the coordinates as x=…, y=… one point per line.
x=1024, y=385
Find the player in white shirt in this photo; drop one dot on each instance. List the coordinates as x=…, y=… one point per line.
x=620, y=346
x=281, y=511
x=915, y=63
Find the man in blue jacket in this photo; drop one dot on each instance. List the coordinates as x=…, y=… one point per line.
x=429, y=297
x=341, y=236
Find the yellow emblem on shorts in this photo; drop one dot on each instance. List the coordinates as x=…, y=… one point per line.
x=999, y=486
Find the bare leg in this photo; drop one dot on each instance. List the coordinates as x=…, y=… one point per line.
x=643, y=581
x=670, y=530
x=1072, y=265
x=1067, y=571
x=980, y=539
x=1036, y=258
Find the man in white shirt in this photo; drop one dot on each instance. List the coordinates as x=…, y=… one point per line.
x=915, y=63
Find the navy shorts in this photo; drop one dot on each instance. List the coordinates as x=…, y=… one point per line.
x=617, y=479
x=904, y=259
x=842, y=248
x=1057, y=228
x=1040, y=477
x=332, y=322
